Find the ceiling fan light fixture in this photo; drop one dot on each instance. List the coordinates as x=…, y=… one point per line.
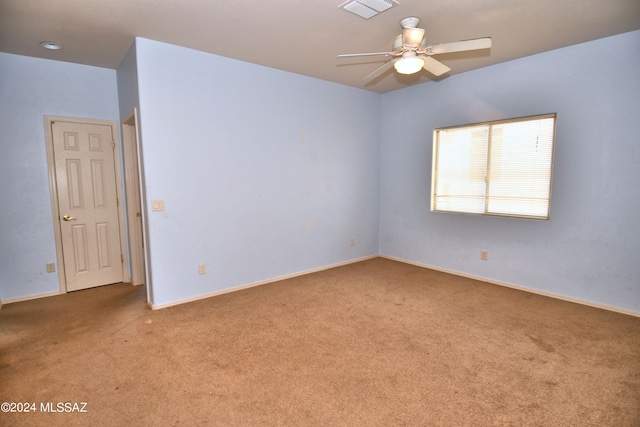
x=409, y=65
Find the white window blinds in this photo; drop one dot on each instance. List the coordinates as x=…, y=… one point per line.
x=497, y=168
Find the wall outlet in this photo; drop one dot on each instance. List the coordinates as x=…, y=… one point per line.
x=51, y=267
x=202, y=268
x=484, y=255
x=352, y=241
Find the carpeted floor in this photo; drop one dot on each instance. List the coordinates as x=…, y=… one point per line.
x=375, y=343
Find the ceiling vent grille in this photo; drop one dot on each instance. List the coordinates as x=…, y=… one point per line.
x=367, y=8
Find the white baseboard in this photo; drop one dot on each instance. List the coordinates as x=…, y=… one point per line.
x=314, y=270
x=520, y=288
x=29, y=297
x=254, y=284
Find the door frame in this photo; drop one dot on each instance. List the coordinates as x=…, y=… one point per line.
x=55, y=210
x=131, y=151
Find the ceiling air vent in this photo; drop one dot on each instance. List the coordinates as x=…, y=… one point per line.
x=367, y=8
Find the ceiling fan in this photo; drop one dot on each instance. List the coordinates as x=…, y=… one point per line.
x=411, y=52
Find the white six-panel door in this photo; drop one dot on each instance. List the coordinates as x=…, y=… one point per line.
x=88, y=206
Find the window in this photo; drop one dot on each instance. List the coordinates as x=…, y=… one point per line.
x=496, y=168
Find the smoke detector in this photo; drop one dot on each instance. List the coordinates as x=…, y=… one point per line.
x=51, y=45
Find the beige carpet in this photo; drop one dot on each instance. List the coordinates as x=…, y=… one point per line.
x=376, y=343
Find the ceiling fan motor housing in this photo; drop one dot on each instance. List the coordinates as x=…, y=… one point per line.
x=397, y=43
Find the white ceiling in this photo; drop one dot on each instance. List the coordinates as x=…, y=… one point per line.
x=304, y=36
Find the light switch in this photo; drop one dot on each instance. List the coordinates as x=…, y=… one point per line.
x=157, y=205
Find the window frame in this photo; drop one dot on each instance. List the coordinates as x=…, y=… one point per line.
x=489, y=124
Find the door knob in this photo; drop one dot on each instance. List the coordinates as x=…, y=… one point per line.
x=69, y=218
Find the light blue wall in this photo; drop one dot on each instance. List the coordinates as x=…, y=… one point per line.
x=127, y=75
x=31, y=88
x=589, y=248
x=264, y=173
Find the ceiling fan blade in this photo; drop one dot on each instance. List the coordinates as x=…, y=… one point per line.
x=483, y=43
x=412, y=37
x=435, y=67
x=351, y=55
x=387, y=66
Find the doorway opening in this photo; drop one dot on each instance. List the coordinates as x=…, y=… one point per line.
x=134, y=190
